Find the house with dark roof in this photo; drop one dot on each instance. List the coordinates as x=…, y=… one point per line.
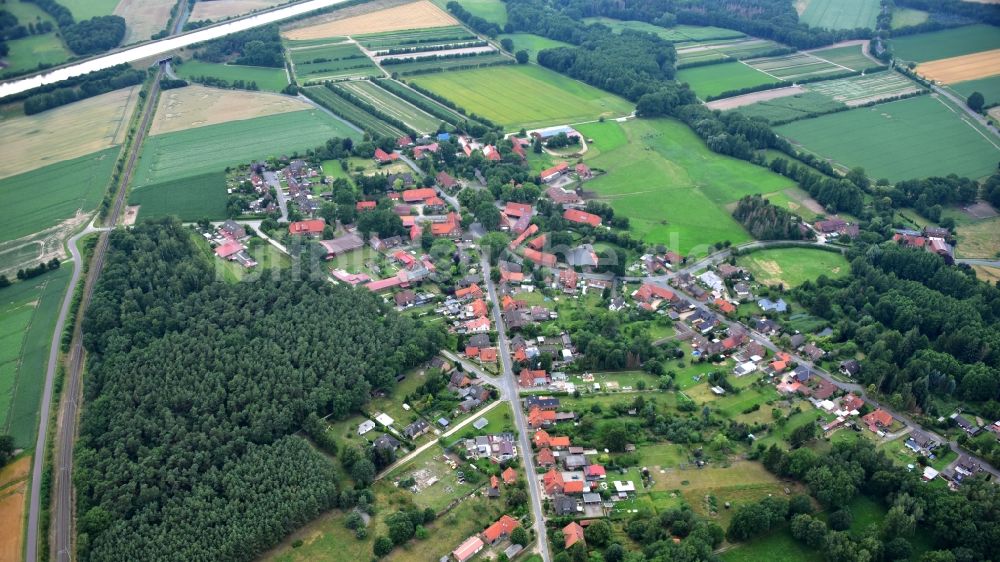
x=850, y=368
x=386, y=442
x=416, y=429
x=564, y=505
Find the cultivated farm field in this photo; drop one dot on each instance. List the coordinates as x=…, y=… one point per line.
x=416, y=98
x=86, y=9
x=415, y=15
x=268, y=79
x=946, y=43
x=912, y=138
x=793, y=266
x=796, y=66
x=189, y=199
x=851, y=56
x=143, y=18
x=838, y=14
x=27, y=320
x=414, y=37
x=424, y=65
x=738, y=48
x=677, y=34
x=962, y=68
x=490, y=10
x=532, y=43
x=859, y=90
x=199, y=106
x=790, y=108
x=673, y=189
x=33, y=141
x=13, y=491
x=330, y=61
x=221, y=9
x=193, y=152
x=715, y=79
x=524, y=96
x=989, y=87
x=352, y=113
x=418, y=119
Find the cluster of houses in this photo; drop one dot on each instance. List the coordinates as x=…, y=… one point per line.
x=573, y=481
x=492, y=536
x=228, y=240
x=931, y=239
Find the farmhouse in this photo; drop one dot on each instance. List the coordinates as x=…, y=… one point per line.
x=451, y=227
x=500, y=530
x=553, y=172
x=419, y=195
x=581, y=217
x=445, y=180
x=540, y=258
x=311, y=227
x=878, y=420
x=560, y=196
x=383, y=157
x=232, y=230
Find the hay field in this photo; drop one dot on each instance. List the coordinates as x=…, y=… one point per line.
x=143, y=18
x=86, y=9
x=13, y=491
x=962, y=68
x=221, y=9
x=198, y=106
x=417, y=15
x=793, y=266
x=980, y=239
x=715, y=79
x=64, y=133
x=838, y=14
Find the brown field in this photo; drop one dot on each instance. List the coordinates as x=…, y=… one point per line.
x=143, y=18
x=13, y=491
x=747, y=99
x=198, y=106
x=63, y=133
x=965, y=67
x=415, y=15
x=979, y=240
x=220, y=9
x=988, y=274
x=995, y=112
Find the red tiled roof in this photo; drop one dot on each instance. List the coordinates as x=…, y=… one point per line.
x=537, y=243
x=502, y=527
x=228, y=249
x=471, y=351
x=488, y=355
x=648, y=291
x=554, y=170
x=581, y=217
x=415, y=232
x=447, y=228
x=540, y=258
x=467, y=549
x=479, y=308
x=541, y=438
x=383, y=156
x=417, y=195
x=878, y=418
x=725, y=306
x=545, y=457
x=434, y=202
x=553, y=481
x=523, y=236
x=561, y=441
x=517, y=209
x=509, y=475
x=445, y=180
x=573, y=487
x=595, y=470
x=311, y=226
x=573, y=534
x=494, y=482
x=364, y=205
x=470, y=291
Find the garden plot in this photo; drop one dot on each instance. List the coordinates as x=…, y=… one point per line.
x=860, y=90
x=740, y=48
x=796, y=66
x=416, y=118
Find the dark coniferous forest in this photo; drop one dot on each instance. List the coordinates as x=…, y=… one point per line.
x=195, y=388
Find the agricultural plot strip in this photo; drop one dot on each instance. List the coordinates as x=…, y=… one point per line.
x=860, y=90
x=962, y=68
x=416, y=15
x=418, y=119
x=351, y=112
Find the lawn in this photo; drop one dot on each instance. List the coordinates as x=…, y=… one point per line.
x=666, y=455
x=946, y=43
x=267, y=79
x=714, y=79
x=793, y=266
x=28, y=312
x=778, y=546
x=532, y=43
x=28, y=52
x=189, y=199
x=447, y=488
x=913, y=138
x=42, y=198
x=979, y=239
x=194, y=152
x=673, y=189
x=490, y=10
x=524, y=96
x=86, y=9
x=840, y=14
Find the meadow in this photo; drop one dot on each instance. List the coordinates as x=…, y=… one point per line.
x=979, y=239
x=989, y=87
x=416, y=118
x=905, y=17
x=532, y=43
x=793, y=266
x=44, y=197
x=851, y=56
x=490, y=10
x=28, y=52
x=524, y=96
x=913, y=138
x=778, y=546
x=677, y=34
x=946, y=43
x=840, y=14
x=350, y=112
x=712, y=80
x=790, y=108
x=27, y=316
x=673, y=189
x=268, y=79
x=189, y=199
x=416, y=98
x=86, y=9
x=193, y=152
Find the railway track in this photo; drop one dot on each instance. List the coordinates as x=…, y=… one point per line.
x=66, y=430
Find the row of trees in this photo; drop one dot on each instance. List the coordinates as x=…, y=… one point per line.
x=88, y=86
x=765, y=221
x=195, y=386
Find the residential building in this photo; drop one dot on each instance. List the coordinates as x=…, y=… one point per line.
x=573, y=534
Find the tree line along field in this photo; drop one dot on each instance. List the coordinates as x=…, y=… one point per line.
x=330, y=61
x=345, y=109
x=677, y=34
x=268, y=79
x=416, y=118
x=27, y=321
x=489, y=10
x=672, y=188
x=532, y=43
x=413, y=37
x=425, y=65
x=913, y=138
x=946, y=43
x=838, y=14
x=523, y=96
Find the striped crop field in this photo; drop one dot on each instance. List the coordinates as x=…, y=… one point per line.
x=796, y=66
x=416, y=118
x=859, y=90
x=347, y=110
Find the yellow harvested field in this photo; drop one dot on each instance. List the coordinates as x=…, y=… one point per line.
x=416, y=15
x=198, y=106
x=13, y=491
x=965, y=67
x=220, y=9
x=64, y=133
x=988, y=274
x=143, y=18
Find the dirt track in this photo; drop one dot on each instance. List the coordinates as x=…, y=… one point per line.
x=747, y=99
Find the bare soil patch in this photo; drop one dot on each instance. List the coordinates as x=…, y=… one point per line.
x=131, y=213
x=39, y=247
x=415, y=15
x=747, y=99
x=995, y=112
x=64, y=133
x=198, y=106
x=980, y=210
x=808, y=202
x=13, y=491
x=143, y=18
x=220, y=9
x=965, y=67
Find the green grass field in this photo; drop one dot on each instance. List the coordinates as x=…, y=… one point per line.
x=790, y=108
x=946, y=43
x=905, y=17
x=673, y=189
x=699, y=52
x=715, y=79
x=189, y=199
x=532, y=43
x=416, y=98
x=490, y=10
x=203, y=150
x=28, y=313
x=857, y=90
x=86, y=9
x=914, y=138
x=794, y=266
x=326, y=61
x=347, y=110
x=424, y=65
x=29, y=52
x=524, y=96
x=778, y=546
x=267, y=79
x=677, y=34
x=42, y=198
x=841, y=14
x=418, y=119
x=796, y=66
x=989, y=87
x=852, y=57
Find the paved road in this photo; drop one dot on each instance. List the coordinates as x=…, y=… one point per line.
x=510, y=385
x=38, y=459
x=979, y=261
x=272, y=181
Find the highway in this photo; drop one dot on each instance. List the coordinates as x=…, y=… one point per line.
x=161, y=47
